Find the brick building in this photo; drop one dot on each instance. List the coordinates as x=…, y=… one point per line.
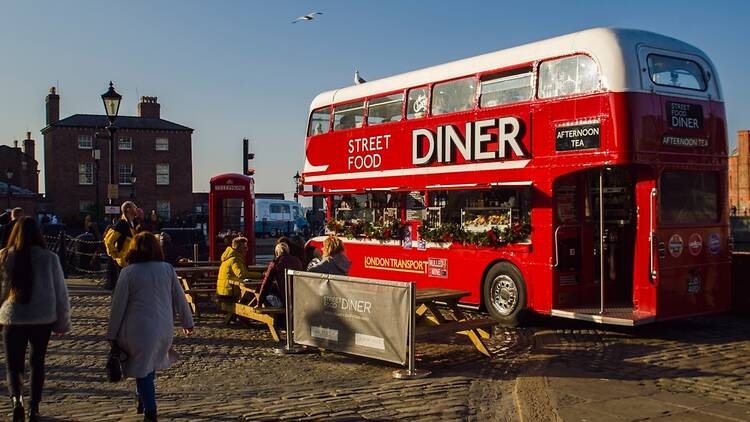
x=156, y=151
x=24, y=185
x=739, y=175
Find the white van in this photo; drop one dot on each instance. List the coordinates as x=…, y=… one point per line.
x=276, y=217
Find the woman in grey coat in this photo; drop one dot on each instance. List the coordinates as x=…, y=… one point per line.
x=141, y=320
x=34, y=303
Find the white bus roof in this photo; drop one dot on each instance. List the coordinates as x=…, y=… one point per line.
x=615, y=49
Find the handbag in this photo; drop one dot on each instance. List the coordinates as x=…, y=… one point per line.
x=114, y=363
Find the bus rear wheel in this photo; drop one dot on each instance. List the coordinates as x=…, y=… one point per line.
x=504, y=294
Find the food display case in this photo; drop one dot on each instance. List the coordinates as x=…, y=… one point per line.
x=481, y=219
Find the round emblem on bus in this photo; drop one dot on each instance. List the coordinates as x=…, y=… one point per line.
x=714, y=243
x=675, y=245
x=695, y=244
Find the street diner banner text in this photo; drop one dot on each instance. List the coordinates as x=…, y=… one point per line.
x=365, y=318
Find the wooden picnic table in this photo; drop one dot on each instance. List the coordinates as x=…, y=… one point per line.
x=432, y=322
x=197, y=263
x=246, y=304
x=200, y=282
x=193, y=272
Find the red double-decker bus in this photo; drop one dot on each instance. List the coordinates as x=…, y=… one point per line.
x=583, y=176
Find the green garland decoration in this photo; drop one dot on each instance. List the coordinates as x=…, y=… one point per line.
x=354, y=229
x=493, y=237
x=448, y=232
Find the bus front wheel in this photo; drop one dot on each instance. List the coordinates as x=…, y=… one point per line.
x=504, y=294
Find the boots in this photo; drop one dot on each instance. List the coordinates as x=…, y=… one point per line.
x=33, y=412
x=17, y=403
x=149, y=416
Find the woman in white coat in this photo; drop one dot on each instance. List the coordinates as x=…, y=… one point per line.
x=141, y=320
x=34, y=304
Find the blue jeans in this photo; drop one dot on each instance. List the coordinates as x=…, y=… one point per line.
x=146, y=391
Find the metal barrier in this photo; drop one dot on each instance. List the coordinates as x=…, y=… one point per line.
x=362, y=317
x=78, y=256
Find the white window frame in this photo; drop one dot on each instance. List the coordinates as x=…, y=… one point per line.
x=123, y=174
x=86, y=173
x=88, y=205
x=161, y=174
x=85, y=142
x=125, y=144
x=160, y=206
x=164, y=144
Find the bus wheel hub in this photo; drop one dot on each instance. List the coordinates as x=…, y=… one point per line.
x=504, y=294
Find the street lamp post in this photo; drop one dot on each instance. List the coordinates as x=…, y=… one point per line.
x=132, y=185
x=297, y=186
x=111, y=101
x=96, y=154
x=9, y=173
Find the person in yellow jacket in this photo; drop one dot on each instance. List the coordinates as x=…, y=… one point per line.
x=232, y=267
x=119, y=240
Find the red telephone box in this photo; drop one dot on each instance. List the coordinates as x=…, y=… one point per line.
x=231, y=207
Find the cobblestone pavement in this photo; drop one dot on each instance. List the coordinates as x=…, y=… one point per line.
x=542, y=372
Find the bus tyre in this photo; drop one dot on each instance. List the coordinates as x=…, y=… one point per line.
x=504, y=294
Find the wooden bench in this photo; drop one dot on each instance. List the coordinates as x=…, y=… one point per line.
x=197, y=293
x=246, y=305
x=431, y=322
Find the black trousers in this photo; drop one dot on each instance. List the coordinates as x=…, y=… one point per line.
x=113, y=273
x=15, y=338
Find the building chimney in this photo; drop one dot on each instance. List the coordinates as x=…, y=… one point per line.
x=149, y=107
x=28, y=146
x=53, y=106
x=15, y=143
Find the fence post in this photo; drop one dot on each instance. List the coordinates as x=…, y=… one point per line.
x=61, y=253
x=290, y=347
x=412, y=372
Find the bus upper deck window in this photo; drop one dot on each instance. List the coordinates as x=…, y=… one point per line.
x=676, y=72
x=567, y=76
x=385, y=109
x=505, y=88
x=416, y=105
x=319, y=121
x=453, y=96
x=348, y=116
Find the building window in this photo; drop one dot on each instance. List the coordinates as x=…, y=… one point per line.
x=125, y=144
x=124, y=173
x=86, y=206
x=85, y=142
x=162, y=174
x=162, y=144
x=163, y=209
x=85, y=173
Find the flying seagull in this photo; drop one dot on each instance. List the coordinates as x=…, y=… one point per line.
x=308, y=17
x=358, y=79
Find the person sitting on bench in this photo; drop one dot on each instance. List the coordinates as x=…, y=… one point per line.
x=233, y=268
x=272, y=289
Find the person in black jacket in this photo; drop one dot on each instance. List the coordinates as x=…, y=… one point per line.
x=273, y=287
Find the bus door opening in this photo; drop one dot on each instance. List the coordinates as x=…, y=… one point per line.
x=610, y=215
x=568, y=251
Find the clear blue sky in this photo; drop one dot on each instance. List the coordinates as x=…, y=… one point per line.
x=234, y=69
